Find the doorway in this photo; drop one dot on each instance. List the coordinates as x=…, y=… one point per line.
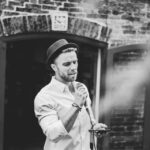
x=26, y=74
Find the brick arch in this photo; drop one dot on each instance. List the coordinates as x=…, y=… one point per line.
x=14, y=25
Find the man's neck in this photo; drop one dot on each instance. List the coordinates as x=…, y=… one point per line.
x=62, y=81
x=69, y=84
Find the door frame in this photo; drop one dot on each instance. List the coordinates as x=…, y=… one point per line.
x=2, y=89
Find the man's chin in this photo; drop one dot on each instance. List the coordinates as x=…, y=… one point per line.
x=73, y=78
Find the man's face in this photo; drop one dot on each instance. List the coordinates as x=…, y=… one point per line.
x=65, y=67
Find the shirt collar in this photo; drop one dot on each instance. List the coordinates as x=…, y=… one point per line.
x=59, y=85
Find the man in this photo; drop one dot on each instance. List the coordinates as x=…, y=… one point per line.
x=61, y=105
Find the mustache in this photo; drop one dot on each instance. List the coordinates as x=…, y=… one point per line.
x=73, y=72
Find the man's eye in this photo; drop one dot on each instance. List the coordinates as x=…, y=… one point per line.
x=66, y=64
x=75, y=62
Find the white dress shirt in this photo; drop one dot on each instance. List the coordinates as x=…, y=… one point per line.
x=52, y=102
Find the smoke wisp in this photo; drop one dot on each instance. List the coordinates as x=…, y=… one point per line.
x=122, y=87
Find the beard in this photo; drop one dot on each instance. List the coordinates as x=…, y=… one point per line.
x=69, y=77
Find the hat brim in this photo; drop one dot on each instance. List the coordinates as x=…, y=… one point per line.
x=58, y=51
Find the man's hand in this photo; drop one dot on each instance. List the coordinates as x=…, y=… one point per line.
x=99, y=129
x=100, y=126
x=80, y=94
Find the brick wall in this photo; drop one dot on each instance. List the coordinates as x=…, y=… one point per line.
x=129, y=20
x=17, y=7
x=24, y=16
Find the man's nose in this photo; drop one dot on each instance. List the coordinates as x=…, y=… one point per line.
x=73, y=66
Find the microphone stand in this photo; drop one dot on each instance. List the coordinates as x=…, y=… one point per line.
x=95, y=133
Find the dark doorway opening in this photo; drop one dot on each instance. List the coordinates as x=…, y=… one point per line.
x=26, y=74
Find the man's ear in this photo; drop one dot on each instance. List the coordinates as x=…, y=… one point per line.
x=53, y=66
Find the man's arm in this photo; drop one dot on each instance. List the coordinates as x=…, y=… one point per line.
x=69, y=118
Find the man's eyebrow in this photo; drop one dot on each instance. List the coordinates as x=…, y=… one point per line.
x=69, y=61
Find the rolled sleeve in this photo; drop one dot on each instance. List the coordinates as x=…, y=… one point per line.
x=54, y=131
x=46, y=113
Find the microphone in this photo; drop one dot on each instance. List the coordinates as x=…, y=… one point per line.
x=91, y=116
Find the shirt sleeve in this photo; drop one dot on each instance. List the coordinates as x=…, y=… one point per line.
x=45, y=111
